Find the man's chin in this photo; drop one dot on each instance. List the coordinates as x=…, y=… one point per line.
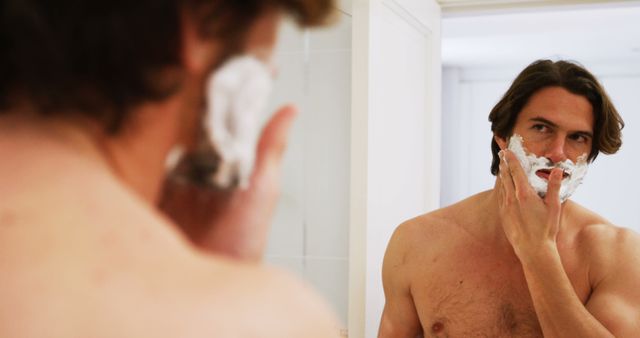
x=540, y=185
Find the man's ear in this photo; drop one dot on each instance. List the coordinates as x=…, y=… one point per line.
x=197, y=53
x=502, y=143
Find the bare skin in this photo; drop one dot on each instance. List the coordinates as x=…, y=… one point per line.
x=507, y=263
x=85, y=251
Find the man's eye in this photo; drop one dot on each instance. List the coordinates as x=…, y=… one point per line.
x=540, y=127
x=579, y=138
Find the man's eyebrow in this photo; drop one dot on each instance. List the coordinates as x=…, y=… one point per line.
x=547, y=122
x=543, y=120
x=584, y=133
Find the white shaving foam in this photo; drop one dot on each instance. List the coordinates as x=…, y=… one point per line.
x=531, y=164
x=237, y=94
x=173, y=158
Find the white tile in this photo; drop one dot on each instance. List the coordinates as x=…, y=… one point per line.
x=290, y=38
x=330, y=80
x=327, y=140
x=333, y=37
x=331, y=278
x=286, y=237
x=346, y=6
x=292, y=175
x=289, y=85
x=289, y=89
x=327, y=212
x=315, y=188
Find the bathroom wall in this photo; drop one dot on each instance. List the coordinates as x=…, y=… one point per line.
x=610, y=187
x=395, y=138
x=363, y=156
x=310, y=233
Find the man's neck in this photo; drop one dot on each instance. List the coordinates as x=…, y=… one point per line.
x=129, y=158
x=489, y=223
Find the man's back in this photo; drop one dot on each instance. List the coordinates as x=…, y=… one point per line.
x=447, y=273
x=82, y=256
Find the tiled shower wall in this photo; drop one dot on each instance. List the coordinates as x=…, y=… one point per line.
x=310, y=232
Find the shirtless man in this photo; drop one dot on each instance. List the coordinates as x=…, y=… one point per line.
x=508, y=263
x=94, y=96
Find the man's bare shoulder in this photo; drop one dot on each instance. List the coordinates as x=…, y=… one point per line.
x=583, y=217
x=607, y=243
x=204, y=295
x=259, y=301
x=606, y=246
x=439, y=223
x=434, y=231
x=613, y=257
x=596, y=231
x=421, y=230
x=141, y=279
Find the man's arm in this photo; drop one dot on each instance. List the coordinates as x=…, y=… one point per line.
x=399, y=318
x=560, y=311
x=613, y=309
x=616, y=276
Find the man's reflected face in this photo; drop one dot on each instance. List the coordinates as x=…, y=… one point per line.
x=556, y=124
x=554, y=130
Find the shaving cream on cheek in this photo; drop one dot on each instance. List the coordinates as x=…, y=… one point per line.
x=237, y=96
x=574, y=173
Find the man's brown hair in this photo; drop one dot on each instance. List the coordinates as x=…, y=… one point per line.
x=571, y=76
x=100, y=58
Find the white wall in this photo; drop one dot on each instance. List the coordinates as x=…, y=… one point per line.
x=611, y=186
x=395, y=137
x=310, y=232
x=357, y=165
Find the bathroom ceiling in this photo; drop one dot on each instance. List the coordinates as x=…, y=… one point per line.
x=589, y=34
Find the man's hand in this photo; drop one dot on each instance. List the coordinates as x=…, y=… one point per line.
x=234, y=223
x=529, y=221
x=531, y=225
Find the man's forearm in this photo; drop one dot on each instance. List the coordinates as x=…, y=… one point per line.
x=559, y=310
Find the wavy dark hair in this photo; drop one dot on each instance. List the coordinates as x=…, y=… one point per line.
x=571, y=76
x=100, y=58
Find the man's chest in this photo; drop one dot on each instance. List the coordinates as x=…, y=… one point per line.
x=475, y=296
x=468, y=307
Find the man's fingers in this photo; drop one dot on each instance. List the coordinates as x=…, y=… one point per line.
x=501, y=193
x=273, y=140
x=520, y=181
x=553, y=188
x=508, y=188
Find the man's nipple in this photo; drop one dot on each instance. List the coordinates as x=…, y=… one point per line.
x=437, y=327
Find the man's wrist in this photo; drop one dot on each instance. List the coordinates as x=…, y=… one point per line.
x=539, y=256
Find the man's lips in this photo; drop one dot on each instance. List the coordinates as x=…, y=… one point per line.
x=545, y=173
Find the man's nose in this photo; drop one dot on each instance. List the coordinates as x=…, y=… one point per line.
x=555, y=150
